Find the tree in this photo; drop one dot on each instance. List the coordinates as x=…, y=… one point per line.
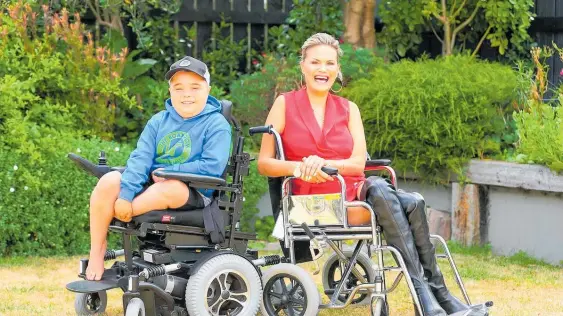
x=465, y=24
x=359, y=20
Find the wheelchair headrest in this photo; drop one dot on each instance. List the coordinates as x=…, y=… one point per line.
x=227, y=111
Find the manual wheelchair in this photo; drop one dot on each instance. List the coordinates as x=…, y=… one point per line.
x=322, y=219
x=183, y=263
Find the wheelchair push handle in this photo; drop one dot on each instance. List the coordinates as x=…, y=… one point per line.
x=260, y=130
x=329, y=170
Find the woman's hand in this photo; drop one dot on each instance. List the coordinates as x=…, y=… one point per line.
x=311, y=170
x=123, y=210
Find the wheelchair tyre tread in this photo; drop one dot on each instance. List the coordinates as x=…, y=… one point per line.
x=82, y=303
x=136, y=307
x=308, y=284
x=205, y=281
x=363, y=261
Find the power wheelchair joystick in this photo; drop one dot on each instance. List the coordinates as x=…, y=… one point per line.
x=102, y=161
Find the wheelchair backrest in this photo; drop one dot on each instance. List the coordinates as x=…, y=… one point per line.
x=227, y=111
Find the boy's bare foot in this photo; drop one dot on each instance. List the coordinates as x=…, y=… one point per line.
x=95, y=268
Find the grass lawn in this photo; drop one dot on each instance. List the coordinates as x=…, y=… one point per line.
x=518, y=286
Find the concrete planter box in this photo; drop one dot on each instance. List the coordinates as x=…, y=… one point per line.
x=514, y=207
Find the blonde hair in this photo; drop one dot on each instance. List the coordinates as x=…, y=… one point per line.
x=320, y=39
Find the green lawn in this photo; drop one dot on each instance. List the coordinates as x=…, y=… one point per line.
x=518, y=286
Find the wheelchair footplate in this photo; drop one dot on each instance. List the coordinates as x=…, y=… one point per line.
x=108, y=281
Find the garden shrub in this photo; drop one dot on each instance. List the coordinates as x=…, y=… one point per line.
x=540, y=124
x=541, y=136
x=255, y=186
x=44, y=207
x=432, y=116
x=48, y=54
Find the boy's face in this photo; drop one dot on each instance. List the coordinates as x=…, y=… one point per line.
x=188, y=92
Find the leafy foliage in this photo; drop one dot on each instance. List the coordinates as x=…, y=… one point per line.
x=540, y=125
x=459, y=25
x=39, y=99
x=541, y=136
x=44, y=207
x=222, y=55
x=255, y=186
x=306, y=18
x=432, y=116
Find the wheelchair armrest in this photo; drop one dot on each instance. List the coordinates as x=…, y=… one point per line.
x=190, y=177
x=120, y=169
x=96, y=170
x=378, y=163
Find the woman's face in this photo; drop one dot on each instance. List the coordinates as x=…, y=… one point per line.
x=320, y=67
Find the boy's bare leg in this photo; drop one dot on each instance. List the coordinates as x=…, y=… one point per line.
x=101, y=213
x=161, y=195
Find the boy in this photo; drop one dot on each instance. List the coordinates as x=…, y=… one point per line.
x=190, y=135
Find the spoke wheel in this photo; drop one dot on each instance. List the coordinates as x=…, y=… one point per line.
x=289, y=290
x=332, y=275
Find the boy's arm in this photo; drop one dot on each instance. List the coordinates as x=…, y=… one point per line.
x=214, y=156
x=139, y=163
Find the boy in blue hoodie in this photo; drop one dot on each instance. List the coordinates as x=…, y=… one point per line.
x=190, y=136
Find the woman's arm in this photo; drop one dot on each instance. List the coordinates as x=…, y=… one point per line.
x=268, y=165
x=355, y=165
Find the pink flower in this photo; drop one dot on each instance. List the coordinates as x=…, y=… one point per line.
x=561, y=72
x=254, y=62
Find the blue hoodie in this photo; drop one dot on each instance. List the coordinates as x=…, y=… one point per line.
x=198, y=145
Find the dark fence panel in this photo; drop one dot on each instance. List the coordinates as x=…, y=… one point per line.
x=250, y=21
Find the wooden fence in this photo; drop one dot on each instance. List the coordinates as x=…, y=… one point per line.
x=250, y=20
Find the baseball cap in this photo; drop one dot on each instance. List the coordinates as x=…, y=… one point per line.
x=189, y=63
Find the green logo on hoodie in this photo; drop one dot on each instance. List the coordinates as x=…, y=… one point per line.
x=174, y=148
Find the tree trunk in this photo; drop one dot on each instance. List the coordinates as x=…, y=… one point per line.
x=368, y=25
x=359, y=20
x=353, y=21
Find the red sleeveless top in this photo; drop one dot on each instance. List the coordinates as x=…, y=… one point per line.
x=303, y=137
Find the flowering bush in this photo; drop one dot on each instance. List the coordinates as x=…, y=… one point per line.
x=540, y=125
x=55, y=60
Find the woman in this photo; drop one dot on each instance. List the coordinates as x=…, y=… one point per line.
x=321, y=129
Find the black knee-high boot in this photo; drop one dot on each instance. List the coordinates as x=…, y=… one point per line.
x=415, y=209
x=382, y=197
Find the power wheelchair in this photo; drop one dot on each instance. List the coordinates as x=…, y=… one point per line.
x=290, y=289
x=182, y=264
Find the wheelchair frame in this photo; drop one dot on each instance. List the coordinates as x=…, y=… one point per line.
x=334, y=235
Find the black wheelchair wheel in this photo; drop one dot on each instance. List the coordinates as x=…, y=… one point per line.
x=90, y=303
x=289, y=290
x=331, y=274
